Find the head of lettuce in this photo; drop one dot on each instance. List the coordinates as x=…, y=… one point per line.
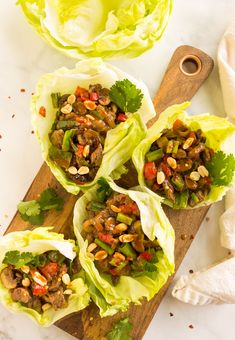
x=99, y=28
x=37, y=275
x=126, y=245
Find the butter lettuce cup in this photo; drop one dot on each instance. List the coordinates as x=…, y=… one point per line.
x=99, y=28
x=88, y=121
x=38, y=275
x=126, y=245
x=181, y=159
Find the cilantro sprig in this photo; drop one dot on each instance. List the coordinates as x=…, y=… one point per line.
x=104, y=190
x=126, y=95
x=121, y=330
x=221, y=168
x=34, y=211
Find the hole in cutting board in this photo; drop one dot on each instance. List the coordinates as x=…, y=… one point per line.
x=190, y=65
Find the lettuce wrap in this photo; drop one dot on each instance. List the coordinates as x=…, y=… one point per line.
x=119, y=142
x=216, y=130
x=39, y=241
x=112, y=298
x=103, y=28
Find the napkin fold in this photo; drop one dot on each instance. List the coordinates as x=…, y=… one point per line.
x=216, y=284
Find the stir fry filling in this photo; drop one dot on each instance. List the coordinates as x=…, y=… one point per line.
x=39, y=282
x=116, y=240
x=175, y=166
x=82, y=122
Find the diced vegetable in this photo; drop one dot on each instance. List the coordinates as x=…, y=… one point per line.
x=96, y=206
x=66, y=140
x=128, y=250
x=39, y=290
x=55, y=97
x=124, y=218
x=60, y=157
x=150, y=170
x=62, y=124
x=177, y=181
x=154, y=155
x=104, y=246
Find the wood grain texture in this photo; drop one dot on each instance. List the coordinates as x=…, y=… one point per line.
x=175, y=88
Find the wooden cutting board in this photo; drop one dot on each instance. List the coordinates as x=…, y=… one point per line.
x=188, y=69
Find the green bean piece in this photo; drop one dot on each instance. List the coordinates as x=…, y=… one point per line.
x=97, y=114
x=62, y=124
x=124, y=219
x=176, y=146
x=104, y=246
x=128, y=250
x=170, y=146
x=154, y=155
x=66, y=139
x=97, y=206
x=177, y=182
x=55, y=97
x=194, y=197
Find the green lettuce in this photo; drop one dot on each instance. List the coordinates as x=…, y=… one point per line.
x=37, y=242
x=99, y=28
x=109, y=298
x=120, y=141
x=216, y=129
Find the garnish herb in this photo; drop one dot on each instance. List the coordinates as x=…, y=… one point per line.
x=221, y=168
x=121, y=330
x=126, y=95
x=33, y=211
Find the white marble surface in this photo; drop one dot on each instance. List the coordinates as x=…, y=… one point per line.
x=23, y=58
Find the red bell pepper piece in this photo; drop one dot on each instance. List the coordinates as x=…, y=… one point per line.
x=94, y=96
x=79, y=152
x=121, y=117
x=131, y=208
x=50, y=270
x=146, y=256
x=150, y=170
x=82, y=93
x=42, y=111
x=107, y=238
x=39, y=290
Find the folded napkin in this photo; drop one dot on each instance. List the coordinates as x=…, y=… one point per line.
x=216, y=284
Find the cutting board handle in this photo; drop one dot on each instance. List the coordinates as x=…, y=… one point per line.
x=189, y=67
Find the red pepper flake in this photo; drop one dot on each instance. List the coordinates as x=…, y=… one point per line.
x=32, y=132
x=191, y=271
x=183, y=237
x=0, y=136
x=121, y=117
x=32, y=94
x=13, y=115
x=171, y=314
x=22, y=90
x=191, y=237
x=42, y=111
x=9, y=97
x=190, y=326
x=207, y=219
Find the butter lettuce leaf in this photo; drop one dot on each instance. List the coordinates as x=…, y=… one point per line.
x=120, y=141
x=119, y=29
x=109, y=298
x=216, y=129
x=38, y=241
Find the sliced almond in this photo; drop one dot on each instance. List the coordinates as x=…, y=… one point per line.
x=66, y=109
x=126, y=238
x=189, y=141
x=83, y=170
x=66, y=279
x=46, y=306
x=71, y=99
x=101, y=255
x=195, y=176
x=90, y=117
x=86, y=150
x=91, y=247
x=68, y=292
x=172, y=162
x=115, y=209
x=72, y=170
x=26, y=282
x=203, y=171
x=160, y=177
x=89, y=105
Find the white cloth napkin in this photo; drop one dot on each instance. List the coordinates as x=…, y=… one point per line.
x=216, y=284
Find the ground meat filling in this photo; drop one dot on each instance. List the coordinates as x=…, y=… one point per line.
x=116, y=240
x=43, y=287
x=175, y=166
x=79, y=131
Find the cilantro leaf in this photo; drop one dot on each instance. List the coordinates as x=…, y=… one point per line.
x=34, y=220
x=17, y=259
x=30, y=208
x=150, y=267
x=121, y=330
x=221, y=168
x=49, y=199
x=104, y=190
x=126, y=95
